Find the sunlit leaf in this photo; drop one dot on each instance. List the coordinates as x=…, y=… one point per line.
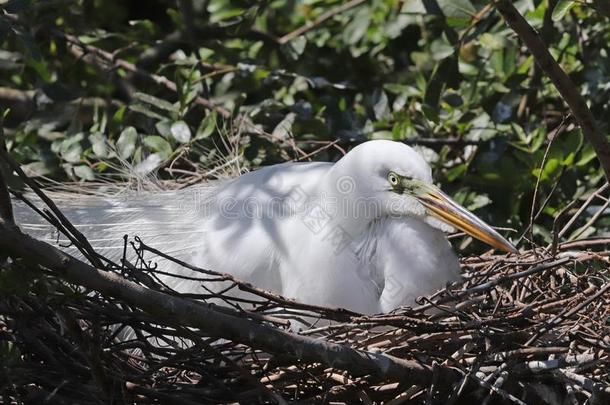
x=159, y=145
x=99, y=144
x=126, y=144
x=181, y=131
x=561, y=9
x=84, y=172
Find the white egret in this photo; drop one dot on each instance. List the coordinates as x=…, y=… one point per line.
x=366, y=233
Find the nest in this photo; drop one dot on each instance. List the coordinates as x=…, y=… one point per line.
x=529, y=328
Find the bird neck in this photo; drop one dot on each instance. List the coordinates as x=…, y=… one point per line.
x=343, y=205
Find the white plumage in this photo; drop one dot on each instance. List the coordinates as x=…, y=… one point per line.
x=356, y=234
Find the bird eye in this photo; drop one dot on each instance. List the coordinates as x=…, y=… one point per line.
x=393, y=179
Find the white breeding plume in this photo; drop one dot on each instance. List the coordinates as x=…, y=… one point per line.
x=365, y=233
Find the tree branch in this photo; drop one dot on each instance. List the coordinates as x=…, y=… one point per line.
x=217, y=322
x=84, y=245
x=560, y=79
x=79, y=49
x=82, y=50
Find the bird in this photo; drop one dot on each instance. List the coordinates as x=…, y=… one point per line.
x=367, y=233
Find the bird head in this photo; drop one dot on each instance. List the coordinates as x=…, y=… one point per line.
x=441, y=206
x=397, y=177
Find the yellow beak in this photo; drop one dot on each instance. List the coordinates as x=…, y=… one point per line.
x=441, y=206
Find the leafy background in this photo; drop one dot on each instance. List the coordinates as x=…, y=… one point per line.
x=199, y=89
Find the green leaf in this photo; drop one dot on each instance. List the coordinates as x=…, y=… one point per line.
x=458, y=13
x=493, y=42
x=538, y=137
x=284, y=128
x=380, y=104
x=430, y=113
x=445, y=73
x=181, y=131
x=99, y=144
x=587, y=155
x=164, y=128
x=117, y=117
x=151, y=163
x=37, y=169
x=382, y=135
x=126, y=144
x=298, y=45
x=84, y=172
x=71, y=149
x=159, y=145
x=207, y=126
x=205, y=53
x=551, y=167
x=295, y=48
x=477, y=202
x=355, y=30
x=146, y=111
x=157, y=102
x=456, y=171
x=457, y=8
x=561, y=9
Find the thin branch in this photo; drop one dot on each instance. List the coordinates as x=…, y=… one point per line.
x=86, y=249
x=560, y=79
x=81, y=49
x=222, y=323
x=338, y=314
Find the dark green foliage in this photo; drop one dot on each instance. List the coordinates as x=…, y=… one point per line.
x=448, y=75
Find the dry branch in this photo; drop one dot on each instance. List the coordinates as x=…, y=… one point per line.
x=222, y=323
x=560, y=79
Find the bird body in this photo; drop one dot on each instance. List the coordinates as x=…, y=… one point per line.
x=318, y=233
x=363, y=233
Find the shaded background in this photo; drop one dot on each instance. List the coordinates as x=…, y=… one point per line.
x=192, y=90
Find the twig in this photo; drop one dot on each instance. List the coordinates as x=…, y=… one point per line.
x=492, y=283
x=87, y=249
x=601, y=211
x=584, y=206
x=568, y=313
x=557, y=222
x=226, y=324
x=561, y=80
x=587, y=383
x=332, y=313
x=80, y=49
x=530, y=226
